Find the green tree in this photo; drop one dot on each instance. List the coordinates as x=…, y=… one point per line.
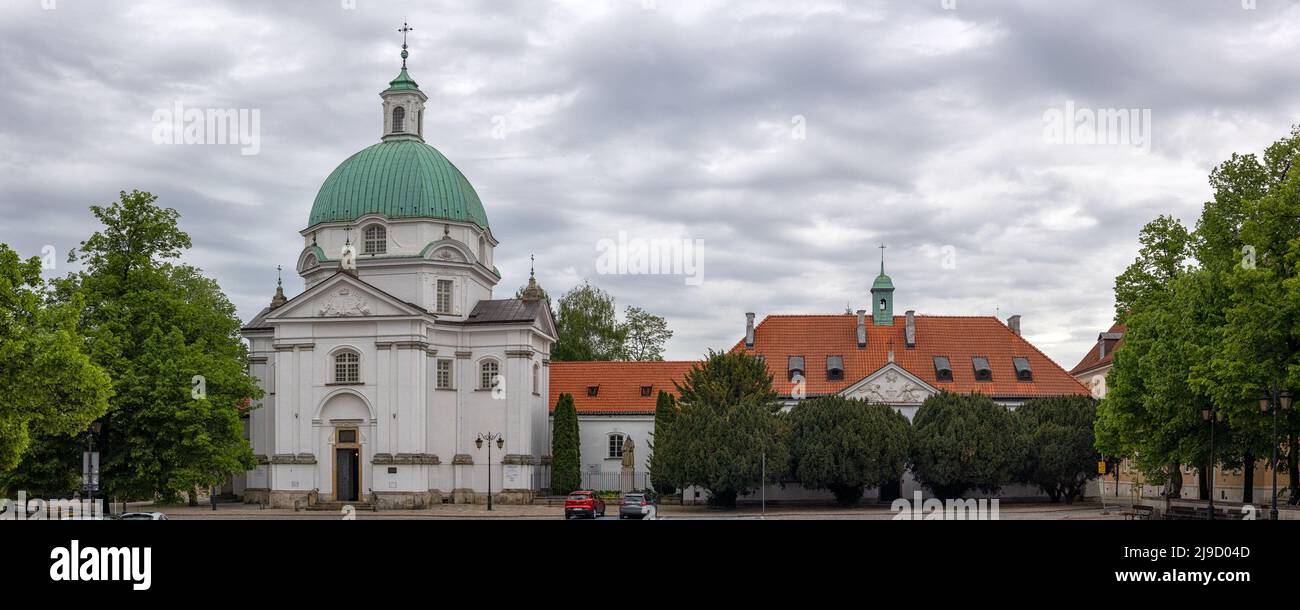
x=726, y=423
x=661, y=478
x=588, y=326
x=645, y=335
x=847, y=445
x=590, y=330
x=48, y=385
x=170, y=340
x=961, y=442
x=1060, y=453
x=566, y=458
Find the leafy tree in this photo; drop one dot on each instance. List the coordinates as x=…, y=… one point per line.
x=962, y=442
x=566, y=458
x=1060, y=453
x=170, y=340
x=587, y=325
x=665, y=414
x=1150, y=412
x=48, y=384
x=590, y=330
x=727, y=422
x=847, y=445
x=645, y=335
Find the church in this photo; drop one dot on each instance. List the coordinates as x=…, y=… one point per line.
x=395, y=379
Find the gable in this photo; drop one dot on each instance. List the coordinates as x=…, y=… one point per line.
x=343, y=296
x=892, y=385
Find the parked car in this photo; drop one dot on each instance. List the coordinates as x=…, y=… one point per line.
x=584, y=504
x=635, y=506
x=155, y=516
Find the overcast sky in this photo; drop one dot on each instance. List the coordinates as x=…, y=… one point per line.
x=791, y=137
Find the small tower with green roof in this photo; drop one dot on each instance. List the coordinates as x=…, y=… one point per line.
x=403, y=103
x=882, y=296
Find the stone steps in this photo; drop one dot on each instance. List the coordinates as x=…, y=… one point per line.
x=334, y=506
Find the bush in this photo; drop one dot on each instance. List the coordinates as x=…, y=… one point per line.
x=847, y=446
x=962, y=442
x=1059, y=455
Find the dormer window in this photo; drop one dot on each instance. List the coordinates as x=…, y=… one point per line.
x=593, y=390
x=834, y=368
x=795, y=367
x=982, y=370
x=399, y=119
x=375, y=240
x=645, y=390
x=1023, y=372
x=942, y=369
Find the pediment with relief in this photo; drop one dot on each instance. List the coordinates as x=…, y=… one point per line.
x=343, y=297
x=891, y=385
x=343, y=301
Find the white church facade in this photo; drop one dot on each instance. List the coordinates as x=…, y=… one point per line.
x=395, y=378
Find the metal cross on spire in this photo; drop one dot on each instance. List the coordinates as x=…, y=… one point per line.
x=279, y=276
x=531, y=260
x=882, y=259
x=405, y=28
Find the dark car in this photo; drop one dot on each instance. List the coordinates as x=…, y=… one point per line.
x=583, y=504
x=635, y=506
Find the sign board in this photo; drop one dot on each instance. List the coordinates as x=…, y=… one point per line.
x=1101, y=467
x=90, y=470
x=511, y=476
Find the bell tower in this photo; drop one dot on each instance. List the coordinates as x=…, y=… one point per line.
x=403, y=102
x=882, y=296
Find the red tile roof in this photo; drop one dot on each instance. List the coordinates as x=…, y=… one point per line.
x=620, y=384
x=1091, y=360
x=957, y=337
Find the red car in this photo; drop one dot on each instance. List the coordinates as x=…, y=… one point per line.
x=583, y=504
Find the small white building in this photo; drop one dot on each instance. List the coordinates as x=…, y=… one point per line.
x=382, y=374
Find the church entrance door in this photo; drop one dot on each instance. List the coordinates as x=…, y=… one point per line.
x=347, y=465
x=345, y=478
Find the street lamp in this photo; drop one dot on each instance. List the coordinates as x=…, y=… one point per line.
x=1210, y=414
x=91, y=474
x=1273, y=400
x=501, y=442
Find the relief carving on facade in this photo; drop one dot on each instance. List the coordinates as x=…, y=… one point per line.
x=894, y=388
x=344, y=303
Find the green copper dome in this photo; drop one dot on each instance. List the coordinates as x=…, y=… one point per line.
x=402, y=178
x=882, y=282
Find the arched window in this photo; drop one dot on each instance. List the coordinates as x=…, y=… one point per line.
x=488, y=372
x=347, y=367
x=399, y=119
x=482, y=250
x=375, y=241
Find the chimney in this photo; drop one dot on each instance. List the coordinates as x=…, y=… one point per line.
x=909, y=331
x=1101, y=347
x=749, y=330
x=1014, y=323
x=862, y=328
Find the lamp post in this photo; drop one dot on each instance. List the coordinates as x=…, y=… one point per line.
x=1210, y=414
x=1273, y=400
x=501, y=442
x=92, y=471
